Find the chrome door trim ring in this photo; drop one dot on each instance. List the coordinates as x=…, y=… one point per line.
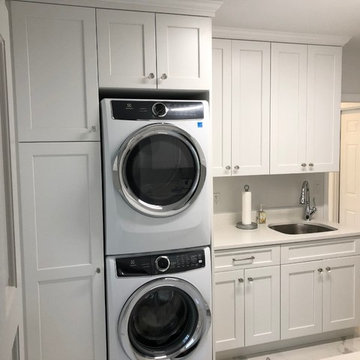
x=121, y=184
x=203, y=325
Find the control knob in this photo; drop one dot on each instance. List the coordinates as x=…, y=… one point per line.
x=162, y=263
x=159, y=109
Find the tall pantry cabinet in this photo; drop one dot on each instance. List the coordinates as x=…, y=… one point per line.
x=60, y=180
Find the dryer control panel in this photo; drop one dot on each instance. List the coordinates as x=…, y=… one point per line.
x=164, y=263
x=152, y=109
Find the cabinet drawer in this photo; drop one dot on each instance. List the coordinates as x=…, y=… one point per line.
x=246, y=258
x=319, y=249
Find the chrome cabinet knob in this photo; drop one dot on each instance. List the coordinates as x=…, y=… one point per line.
x=151, y=76
x=328, y=269
x=250, y=279
x=236, y=167
x=320, y=270
x=98, y=270
x=241, y=280
x=227, y=167
x=303, y=165
x=163, y=77
x=311, y=164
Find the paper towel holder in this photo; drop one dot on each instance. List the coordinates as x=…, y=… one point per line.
x=242, y=226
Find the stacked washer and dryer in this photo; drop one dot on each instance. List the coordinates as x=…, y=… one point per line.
x=157, y=229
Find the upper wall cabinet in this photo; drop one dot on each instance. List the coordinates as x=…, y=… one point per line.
x=56, y=87
x=323, y=107
x=153, y=51
x=305, y=108
x=288, y=107
x=241, y=100
x=304, y=115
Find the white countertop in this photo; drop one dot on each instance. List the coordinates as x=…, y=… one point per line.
x=228, y=236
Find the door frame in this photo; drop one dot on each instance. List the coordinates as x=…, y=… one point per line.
x=332, y=182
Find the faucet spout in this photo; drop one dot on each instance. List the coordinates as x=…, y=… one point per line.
x=305, y=200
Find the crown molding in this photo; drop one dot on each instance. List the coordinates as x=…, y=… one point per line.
x=223, y=32
x=188, y=7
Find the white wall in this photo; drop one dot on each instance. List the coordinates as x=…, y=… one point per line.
x=273, y=191
x=351, y=72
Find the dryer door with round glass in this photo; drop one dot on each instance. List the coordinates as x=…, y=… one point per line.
x=165, y=318
x=159, y=170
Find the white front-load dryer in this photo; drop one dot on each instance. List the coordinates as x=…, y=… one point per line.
x=155, y=175
x=158, y=306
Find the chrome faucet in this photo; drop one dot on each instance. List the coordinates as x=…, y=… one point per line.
x=305, y=200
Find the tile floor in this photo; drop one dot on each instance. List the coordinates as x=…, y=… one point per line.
x=316, y=352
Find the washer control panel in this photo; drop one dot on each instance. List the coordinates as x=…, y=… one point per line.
x=164, y=263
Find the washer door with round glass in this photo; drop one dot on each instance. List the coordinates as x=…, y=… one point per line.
x=159, y=170
x=163, y=319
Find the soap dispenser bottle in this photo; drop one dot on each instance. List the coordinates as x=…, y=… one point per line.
x=261, y=215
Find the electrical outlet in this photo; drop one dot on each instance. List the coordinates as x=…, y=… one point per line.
x=216, y=198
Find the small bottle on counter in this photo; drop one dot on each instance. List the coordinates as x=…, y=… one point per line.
x=261, y=215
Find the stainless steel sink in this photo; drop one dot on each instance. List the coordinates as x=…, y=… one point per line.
x=295, y=229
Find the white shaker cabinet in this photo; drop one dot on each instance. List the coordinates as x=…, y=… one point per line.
x=262, y=305
x=156, y=51
x=305, y=108
x=288, y=108
x=126, y=54
x=248, y=86
x=319, y=296
x=341, y=293
x=183, y=45
x=323, y=108
x=61, y=211
x=221, y=107
x=229, y=310
x=301, y=299
x=55, y=70
x=246, y=297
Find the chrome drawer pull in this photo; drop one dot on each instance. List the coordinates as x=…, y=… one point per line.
x=251, y=258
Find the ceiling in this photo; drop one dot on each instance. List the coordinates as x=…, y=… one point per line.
x=337, y=17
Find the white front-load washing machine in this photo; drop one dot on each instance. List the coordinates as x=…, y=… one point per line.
x=158, y=306
x=156, y=187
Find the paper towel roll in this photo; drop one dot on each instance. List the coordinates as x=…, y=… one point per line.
x=246, y=207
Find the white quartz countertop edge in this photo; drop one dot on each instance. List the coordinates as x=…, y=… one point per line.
x=228, y=236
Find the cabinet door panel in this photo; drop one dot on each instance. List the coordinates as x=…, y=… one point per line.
x=262, y=305
x=126, y=49
x=288, y=108
x=250, y=107
x=61, y=210
x=183, y=51
x=301, y=299
x=323, y=110
x=221, y=107
x=55, y=72
x=229, y=310
x=341, y=293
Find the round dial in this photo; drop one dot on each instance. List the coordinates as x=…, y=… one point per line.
x=159, y=109
x=162, y=263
